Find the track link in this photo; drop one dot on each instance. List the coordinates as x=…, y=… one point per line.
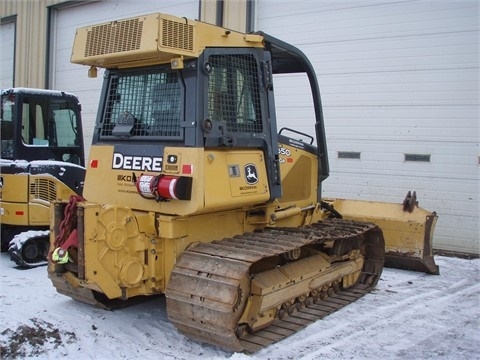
x=280, y=329
x=210, y=286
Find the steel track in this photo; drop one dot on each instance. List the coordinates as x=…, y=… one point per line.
x=209, y=286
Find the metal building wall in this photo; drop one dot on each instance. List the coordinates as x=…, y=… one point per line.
x=226, y=13
x=397, y=78
x=31, y=39
x=7, y=51
x=31, y=45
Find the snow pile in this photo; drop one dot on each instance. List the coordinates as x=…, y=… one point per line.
x=409, y=316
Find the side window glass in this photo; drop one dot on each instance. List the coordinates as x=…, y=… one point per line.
x=40, y=138
x=144, y=105
x=65, y=127
x=49, y=122
x=6, y=131
x=33, y=129
x=26, y=123
x=233, y=92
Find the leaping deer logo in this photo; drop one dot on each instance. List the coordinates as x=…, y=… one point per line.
x=251, y=174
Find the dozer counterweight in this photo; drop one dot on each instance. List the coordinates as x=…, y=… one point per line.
x=191, y=191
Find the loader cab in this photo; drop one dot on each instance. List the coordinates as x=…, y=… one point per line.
x=41, y=125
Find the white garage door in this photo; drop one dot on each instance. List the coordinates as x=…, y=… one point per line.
x=399, y=83
x=7, y=52
x=73, y=78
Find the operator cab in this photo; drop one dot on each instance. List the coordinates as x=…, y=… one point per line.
x=41, y=125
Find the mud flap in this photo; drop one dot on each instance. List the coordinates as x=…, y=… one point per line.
x=407, y=229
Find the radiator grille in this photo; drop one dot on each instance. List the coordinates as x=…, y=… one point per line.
x=118, y=36
x=177, y=35
x=43, y=189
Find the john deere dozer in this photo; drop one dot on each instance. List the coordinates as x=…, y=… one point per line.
x=191, y=191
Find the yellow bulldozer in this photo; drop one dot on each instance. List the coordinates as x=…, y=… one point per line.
x=191, y=191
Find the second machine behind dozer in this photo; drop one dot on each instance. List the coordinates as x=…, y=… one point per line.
x=41, y=161
x=191, y=191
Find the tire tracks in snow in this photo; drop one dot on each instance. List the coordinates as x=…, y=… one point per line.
x=397, y=311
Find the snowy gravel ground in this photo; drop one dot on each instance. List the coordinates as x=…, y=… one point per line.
x=408, y=316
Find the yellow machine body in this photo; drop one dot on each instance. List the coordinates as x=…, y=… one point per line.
x=408, y=234
x=14, y=201
x=131, y=243
x=151, y=40
x=211, y=206
x=213, y=186
x=31, y=207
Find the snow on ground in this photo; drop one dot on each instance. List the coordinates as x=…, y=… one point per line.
x=408, y=316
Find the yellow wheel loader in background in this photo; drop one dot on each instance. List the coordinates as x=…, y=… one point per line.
x=42, y=161
x=191, y=192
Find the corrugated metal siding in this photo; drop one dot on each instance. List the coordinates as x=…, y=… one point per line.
x=73, y=77
x=30, y=47
x=7, y=48
x=233, y=14
x=396, y=78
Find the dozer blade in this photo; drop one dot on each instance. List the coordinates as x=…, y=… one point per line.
x=407, y=229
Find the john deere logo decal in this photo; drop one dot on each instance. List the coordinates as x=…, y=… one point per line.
x=251, y=174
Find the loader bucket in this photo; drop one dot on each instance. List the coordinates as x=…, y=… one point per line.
x=407, y=229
